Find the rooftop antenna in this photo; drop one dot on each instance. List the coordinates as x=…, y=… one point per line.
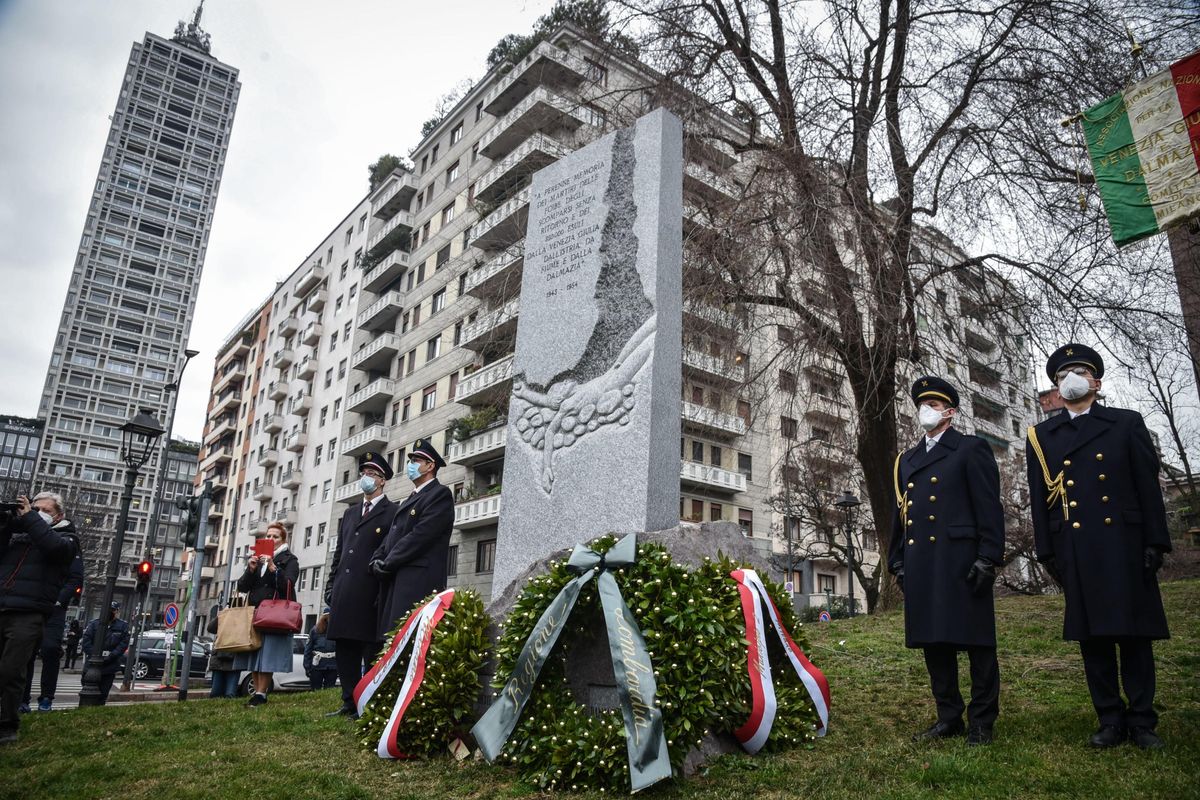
x=190, y=34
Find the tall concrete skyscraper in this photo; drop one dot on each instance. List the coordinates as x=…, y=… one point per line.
x=133, y=287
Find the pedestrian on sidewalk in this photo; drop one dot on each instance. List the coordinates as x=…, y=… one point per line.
x=34, y=560
x=113, y=647
x=74, y=632
x=320, y=655
x=267, y=577
x=224, y=677
x=51, y=650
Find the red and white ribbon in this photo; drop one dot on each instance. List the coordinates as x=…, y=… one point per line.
x=757, y=729
x=419, y=626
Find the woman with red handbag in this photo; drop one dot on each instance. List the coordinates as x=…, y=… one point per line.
x=269, y=578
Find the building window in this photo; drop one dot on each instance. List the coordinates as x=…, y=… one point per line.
x=746, y=521
x=448, y=214
x=406, y=410
x=787, y=381
x=698, y=452
x=479, y=111
x=452, y=561
x=429, y=398
x=321, y=534
x=308, y=531
x=745, y=465
x=433, y=348
x=451, y=173
x=787, y=427
x=438, y=302
x=326, y=488
x=443, y=256
x=485, y=555
x=827, y=583
x=714, y=512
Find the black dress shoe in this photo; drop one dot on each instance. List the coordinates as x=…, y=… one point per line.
x=1146, y=738
x=977, y=734
x=344, y=711
x=940, y=730
x=1107, y=736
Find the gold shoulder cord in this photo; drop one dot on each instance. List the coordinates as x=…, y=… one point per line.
x=1054, y=486
x=901, y=498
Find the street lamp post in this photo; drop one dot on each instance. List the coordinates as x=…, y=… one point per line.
x=847, y=503
x=138, y=436
x=155, y=512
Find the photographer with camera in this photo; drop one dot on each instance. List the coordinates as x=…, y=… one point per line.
x=35, y=561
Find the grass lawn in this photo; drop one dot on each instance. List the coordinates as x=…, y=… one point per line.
x=220, y=749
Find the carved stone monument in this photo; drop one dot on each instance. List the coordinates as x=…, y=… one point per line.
x=593, y=425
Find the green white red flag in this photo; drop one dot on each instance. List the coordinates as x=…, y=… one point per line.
x=1144, y=144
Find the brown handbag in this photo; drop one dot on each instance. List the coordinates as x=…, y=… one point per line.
x=279, y=616
x=235, y=630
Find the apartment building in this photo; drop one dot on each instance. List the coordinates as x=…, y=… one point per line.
x=131, y=297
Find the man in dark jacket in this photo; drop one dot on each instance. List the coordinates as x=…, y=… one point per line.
x=52, y=636
x=34, y=561
x=1100, y=529
x=352, y=591
x=116, y=642
x=947, y=540
x=412, y=560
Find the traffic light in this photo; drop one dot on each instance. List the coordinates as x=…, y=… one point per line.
x=144, y=569
x=78, y=596
x=190, y=506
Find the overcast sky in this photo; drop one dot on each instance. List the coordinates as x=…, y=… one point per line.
x=326, y=88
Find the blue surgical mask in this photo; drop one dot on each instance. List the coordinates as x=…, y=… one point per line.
x=413, y=470
x=367, y=484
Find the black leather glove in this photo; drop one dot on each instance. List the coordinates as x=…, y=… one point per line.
x=1051, y=568
x=329, y=594
x=1152, y=562
x=897, y=571
x=378, y=568
x=981, y=576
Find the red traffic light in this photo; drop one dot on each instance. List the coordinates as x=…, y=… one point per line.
x=145, y=568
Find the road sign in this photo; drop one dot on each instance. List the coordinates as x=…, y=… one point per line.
x=170, y=615
x=824, y=616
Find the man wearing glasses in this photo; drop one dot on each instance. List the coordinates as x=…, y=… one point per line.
x=1100, y=529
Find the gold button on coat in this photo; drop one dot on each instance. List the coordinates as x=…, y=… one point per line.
x=932, y=498
x=1104, y=499
x=910, y=522
x=1076, y=525
x=1073, y=504
x=932, y=518
x=1108, y=520
x=933, y=538
x=910, y=484
x=912, y=541
x=933, y=479
x=1070, y=483
x=1102, y=476
x=1099, y=456
x=1066, y=462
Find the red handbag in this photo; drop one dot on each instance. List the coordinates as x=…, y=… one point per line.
x=279, y=616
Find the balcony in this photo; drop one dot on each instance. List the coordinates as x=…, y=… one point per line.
x=477, y=513
x=505, y=225
x=546, y=64
x=239, y=346
x=704, y=476
x=829, y=408
x=296, y=442
x=221, y=427
x=706, y=317
x=373, y=398
x=269, y=458
x=292, y=479
x=308, y=368
x=493, y=326
x=283, y=358
x=226, y=403
x=309, y=280
x=377, y=356
x=502, y=271
x=273, y=423
x=288, y=326
x=264, y=492
x=312, y=334
x=386, y=271
x=233, y=374
x=490, y=382
x=348, y=493
x=301, y=405
x=541, y=109
x=706, y=183
x=712, y=367
x=277, y=390
x=316, y=301
x=394, y=194
x=216, y=456
x=216, y=511
x=483, y=446
x=381, y=315
x=219, y=481
x=374, y=437
x=518, y=166
x=402, y=220
x=712, y=421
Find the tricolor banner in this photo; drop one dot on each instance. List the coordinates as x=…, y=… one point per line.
x=419, y=627
x=755, y=600
x=1144, y=145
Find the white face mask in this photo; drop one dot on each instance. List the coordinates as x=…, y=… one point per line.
x=929, y=417
x=49, y=519
x=1073, y=387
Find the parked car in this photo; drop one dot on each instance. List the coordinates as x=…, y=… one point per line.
x=292, y=681
x=153, y=654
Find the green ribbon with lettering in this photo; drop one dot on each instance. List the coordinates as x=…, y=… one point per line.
x=644, y=739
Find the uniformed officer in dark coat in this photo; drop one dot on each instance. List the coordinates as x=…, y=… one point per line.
x=412, y=560
x=1100, y=529
x=352, y=592
x=947, y=540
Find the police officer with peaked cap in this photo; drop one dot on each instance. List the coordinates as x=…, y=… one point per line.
x=947, y=540
x=411, y=562
x=352, y=591
x=1100, y=529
